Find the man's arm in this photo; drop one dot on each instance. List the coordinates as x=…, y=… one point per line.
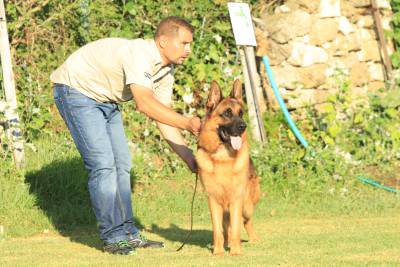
x=149, y=105
x=178, y=145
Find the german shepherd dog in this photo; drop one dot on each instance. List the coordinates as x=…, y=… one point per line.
x=226, y=170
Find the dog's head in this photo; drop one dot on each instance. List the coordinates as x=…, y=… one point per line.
x=227, y=114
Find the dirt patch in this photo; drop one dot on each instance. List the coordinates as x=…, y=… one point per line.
x=389, y=178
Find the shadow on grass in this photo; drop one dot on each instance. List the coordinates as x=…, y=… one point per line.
x=201, y=238
x=62, y=193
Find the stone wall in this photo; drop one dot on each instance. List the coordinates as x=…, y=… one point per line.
x=309, y=42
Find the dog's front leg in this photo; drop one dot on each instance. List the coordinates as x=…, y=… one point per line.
x=216, y=218
x=235, y=210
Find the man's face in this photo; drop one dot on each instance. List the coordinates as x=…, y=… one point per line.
x=177, y=47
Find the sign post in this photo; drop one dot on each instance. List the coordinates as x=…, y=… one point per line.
x=244, y=36
x=12, y=124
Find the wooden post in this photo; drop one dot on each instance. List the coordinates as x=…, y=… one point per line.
x=251, y=94
x=383, y=47
x=12, y=124
x=255, y=132
x=253, y=72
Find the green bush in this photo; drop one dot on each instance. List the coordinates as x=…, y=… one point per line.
x=395, y=34
x=44, y=33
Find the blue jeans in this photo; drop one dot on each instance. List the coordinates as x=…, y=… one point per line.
x=99, y=136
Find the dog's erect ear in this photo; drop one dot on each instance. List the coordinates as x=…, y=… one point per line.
x=214, y=97
x=237, y=90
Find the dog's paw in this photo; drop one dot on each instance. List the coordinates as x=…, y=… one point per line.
x=235, y=251
x=218, y=252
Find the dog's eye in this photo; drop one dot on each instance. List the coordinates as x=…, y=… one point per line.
x=228, y=113
x=240, y=113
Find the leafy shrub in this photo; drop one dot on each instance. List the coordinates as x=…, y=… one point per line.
x=44, y=33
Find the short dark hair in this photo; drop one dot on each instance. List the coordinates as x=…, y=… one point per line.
x=170, y=26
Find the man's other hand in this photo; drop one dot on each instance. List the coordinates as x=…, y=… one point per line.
x=194, y=125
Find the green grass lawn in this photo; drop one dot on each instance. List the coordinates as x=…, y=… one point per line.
x=47, y=221
x=328, y=241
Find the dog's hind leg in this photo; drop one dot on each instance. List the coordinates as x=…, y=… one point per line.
x=216, y=218
x=248, y=210
x=248, y=225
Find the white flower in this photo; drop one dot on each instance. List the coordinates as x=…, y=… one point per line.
x=343, y=191
x=217, y=38
x=337, y=177
x=188, y=98
x=191, y=111
x=146, y=132
x=228, y=71
x=206, y=87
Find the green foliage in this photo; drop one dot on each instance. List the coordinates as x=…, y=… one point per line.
x=347, y=138
x=44, y=33
x=395, y=34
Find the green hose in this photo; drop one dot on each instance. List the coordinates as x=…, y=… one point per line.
x=376, y=184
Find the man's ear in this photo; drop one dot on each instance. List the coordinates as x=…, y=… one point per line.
x=237, y=90
x=214, y=97
x=163, y=41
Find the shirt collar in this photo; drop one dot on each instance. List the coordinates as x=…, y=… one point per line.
x=157, y=58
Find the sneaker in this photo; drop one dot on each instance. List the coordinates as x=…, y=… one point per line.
x=121, y=247
x=140, y=241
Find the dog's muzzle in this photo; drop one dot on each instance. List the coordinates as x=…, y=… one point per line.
x=232, y=132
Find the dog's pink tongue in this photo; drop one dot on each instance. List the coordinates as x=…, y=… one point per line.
x=236, y=142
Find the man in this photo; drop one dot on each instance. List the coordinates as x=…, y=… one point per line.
x=88, y=87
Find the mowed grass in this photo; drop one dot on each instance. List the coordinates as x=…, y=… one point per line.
x=47, y=221
x=331, y=241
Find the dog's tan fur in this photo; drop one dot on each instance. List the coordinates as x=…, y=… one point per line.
x=228, y=175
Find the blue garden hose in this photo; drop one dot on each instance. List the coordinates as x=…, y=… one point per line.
x=297, y=132
x=376, y=184
x=292, y=126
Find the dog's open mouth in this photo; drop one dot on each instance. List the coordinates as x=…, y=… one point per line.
x=235, y=141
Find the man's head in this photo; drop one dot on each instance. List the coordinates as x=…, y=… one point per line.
x=173, y=37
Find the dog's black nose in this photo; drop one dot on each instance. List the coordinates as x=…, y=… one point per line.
x=241, y=126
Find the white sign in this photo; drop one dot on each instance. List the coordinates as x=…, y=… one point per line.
x=242, y=24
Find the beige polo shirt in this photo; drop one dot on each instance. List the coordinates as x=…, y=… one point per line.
x=104, y=69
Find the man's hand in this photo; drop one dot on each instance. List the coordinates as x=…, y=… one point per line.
x=194, y=125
